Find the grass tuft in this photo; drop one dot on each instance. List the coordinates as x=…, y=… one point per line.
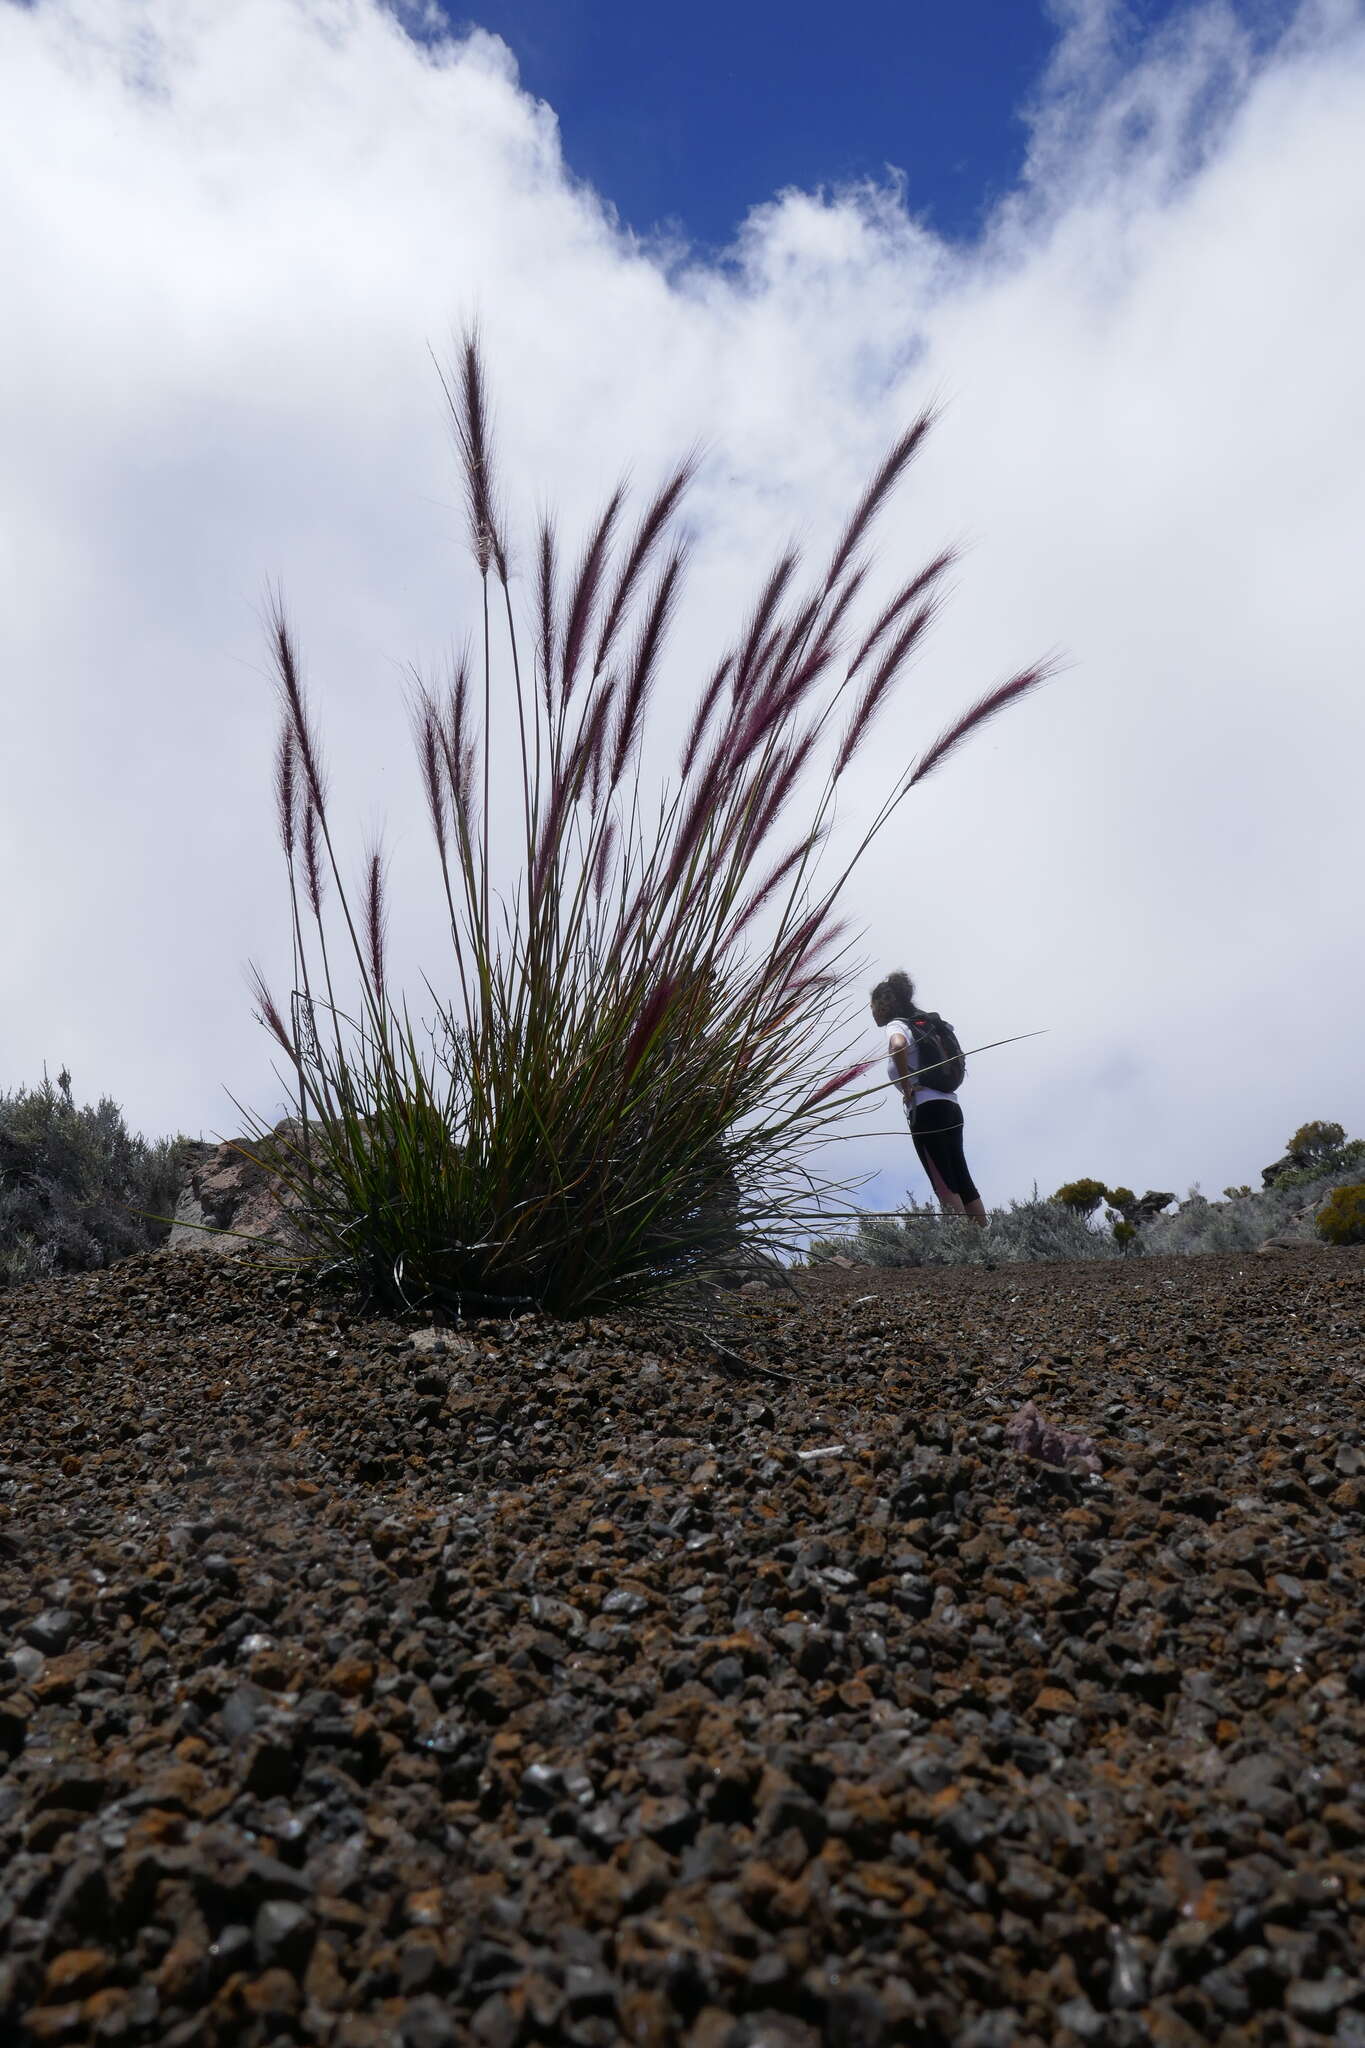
x=632, y=1062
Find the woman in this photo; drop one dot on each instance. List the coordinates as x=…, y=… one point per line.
x=934, y=1115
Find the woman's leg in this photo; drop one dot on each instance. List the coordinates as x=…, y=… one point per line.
x=960, y=1175
x=928, y=1143
x=938, y=1141
x=950, y=1203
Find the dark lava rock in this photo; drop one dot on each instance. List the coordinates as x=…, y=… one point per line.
x=283, y=1933
x=556, y=1694
x=51, y=1631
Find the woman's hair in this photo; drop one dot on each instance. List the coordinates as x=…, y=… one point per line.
x=896, y=993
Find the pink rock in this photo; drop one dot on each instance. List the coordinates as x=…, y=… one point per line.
x=227, y=1189
x=1033, y=1437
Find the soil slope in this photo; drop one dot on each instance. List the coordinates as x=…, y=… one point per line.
x=572, y=1684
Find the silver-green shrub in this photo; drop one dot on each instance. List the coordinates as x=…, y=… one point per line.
x=1245, y=1222
x=1037, y=1230
x=73, y=1181
x=1347, y=1158
x=1022, y=1232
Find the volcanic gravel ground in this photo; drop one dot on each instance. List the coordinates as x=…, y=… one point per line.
x=575, y=1685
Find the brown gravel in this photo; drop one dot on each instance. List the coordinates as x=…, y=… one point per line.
x=554, y=1689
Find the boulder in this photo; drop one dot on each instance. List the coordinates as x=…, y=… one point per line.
x=229, y=1188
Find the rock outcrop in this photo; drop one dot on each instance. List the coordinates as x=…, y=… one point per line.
x=231, y=1202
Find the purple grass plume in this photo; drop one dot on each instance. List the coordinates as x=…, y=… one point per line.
x=898, y=459
x=587, y=591
x=904, y=597
x=473, y=433
x=880, y=681
x=312, y=861
x=652, y=529
x=296, y=705
x=643, y=664
x=376, y=918
x=286, y=788
x=706, y=704
x=267, y=1011
x=546, y=603
x=836, y=1084
x=985, y=708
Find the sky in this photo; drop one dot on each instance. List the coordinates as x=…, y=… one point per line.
x=685, y=118
x=236, y=235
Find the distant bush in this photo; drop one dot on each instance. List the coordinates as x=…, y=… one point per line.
x=1292, y=1210
x=1126, y=1213
x=1341, y=1219
x=71, y=1182
x=1315, y=1142
x=1024, y=1232
x=1315, y=1149
x=1242, y=1223
x=1084, y=1196
x=1346, y=1158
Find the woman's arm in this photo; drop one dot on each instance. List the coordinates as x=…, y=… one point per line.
x=900, y=1060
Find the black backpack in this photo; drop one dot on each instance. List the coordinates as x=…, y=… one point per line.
x=938, y=1058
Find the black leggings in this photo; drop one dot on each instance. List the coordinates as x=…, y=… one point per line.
x=937, y=1132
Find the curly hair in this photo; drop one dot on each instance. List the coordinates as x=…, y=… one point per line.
x=896, y=993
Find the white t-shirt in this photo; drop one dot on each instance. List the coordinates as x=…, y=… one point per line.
x=919, y=1093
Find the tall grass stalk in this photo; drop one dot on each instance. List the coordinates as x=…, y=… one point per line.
x=631, y=1065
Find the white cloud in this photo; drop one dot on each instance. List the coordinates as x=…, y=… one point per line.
x=230, y=235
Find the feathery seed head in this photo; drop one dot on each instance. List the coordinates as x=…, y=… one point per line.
x=295, y=704
x=601, y=872
x=651, y=529
x=985, y=708
x=586, y=593
x=286, y=792
x=312, y=860
x=546, y=601
x=426, y=727
x=835, y=1085
x=643, y=664
x=709, y=698
x=746, y=666
x=267, y=1011
x=473, y=433
x=904, y=597
x=376, y=918
x=879, y=682
x=893, y=468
